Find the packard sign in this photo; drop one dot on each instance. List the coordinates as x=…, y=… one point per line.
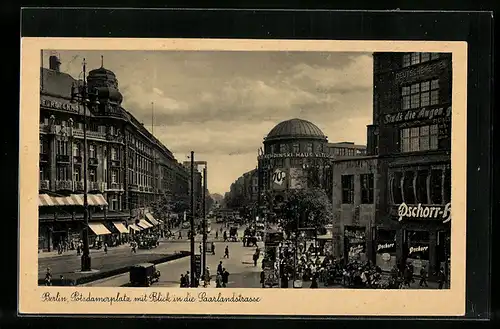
x=425, y=212
x=295, y=155
x=422, y=114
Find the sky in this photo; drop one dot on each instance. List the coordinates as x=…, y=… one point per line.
x=222, y=104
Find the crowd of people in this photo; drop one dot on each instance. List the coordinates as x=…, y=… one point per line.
x=354, y=273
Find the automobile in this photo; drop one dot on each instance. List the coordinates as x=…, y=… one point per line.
x=209, y=229
x=144, y=274
x=186, y=225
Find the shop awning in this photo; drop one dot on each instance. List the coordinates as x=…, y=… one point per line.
x=71, y=200
x=325, y=237
x=151, y=219
x=120, y=227
x=134, y=227
x=99, y=229
x=144, y=224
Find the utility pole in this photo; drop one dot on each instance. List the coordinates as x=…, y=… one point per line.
x=191, y=221
x=204, y=248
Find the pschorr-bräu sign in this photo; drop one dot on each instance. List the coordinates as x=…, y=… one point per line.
x=434, y=212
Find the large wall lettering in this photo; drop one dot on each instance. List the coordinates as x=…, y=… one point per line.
x=420, y=114
x=437, y=212
x=65, y=106
x=419, y=71
x=295, y=155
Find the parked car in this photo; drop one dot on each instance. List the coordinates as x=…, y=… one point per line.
x=186, y=225
x=144, y=274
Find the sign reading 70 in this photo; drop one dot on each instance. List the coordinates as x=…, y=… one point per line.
x=279, y=176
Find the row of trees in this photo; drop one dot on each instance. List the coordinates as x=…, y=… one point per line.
x=163, y=207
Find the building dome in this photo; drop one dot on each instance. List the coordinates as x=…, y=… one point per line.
x=105, y=83
x=294, y=129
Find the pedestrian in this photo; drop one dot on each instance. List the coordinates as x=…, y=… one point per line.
x=213, y=248
x=183, y=281
x=441, y=278
x=105, y=248
x=255, y=258
x=225, y=277
x=226, y=252
x=219, y=267
x=224, y=236
x=133, y=244
x=262, y=278
x=180, y=235
x=423, y=277
x=201, y=249
x=61, y=279
x=216, y=235
x=78, y=249
x=187, y=279
x=207, y=277
x=48, y=277
x=218, y=280
x=314, y=283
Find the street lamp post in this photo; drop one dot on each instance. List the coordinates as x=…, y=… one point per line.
x=81, y=95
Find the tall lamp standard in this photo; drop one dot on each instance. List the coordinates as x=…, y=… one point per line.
x=86, y=99
x=204, y=213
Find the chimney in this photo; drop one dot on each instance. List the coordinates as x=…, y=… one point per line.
x=54, y=63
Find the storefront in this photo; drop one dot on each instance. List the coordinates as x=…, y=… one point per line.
x=416, y=246
x=355, y=243
x=385, y=249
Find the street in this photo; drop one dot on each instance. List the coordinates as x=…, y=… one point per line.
x=243, y=274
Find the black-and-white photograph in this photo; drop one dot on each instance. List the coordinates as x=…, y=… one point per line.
x=245, y=169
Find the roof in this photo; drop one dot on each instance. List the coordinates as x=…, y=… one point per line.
x=346, y=145
x=56, y=83
x=295, y=128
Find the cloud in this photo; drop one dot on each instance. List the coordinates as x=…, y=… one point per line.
x=222, y=104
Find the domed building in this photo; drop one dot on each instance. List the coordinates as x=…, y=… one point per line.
x=295, y=155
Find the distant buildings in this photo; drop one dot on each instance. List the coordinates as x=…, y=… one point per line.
x=128, y=168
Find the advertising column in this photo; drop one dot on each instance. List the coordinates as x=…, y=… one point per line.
x=385, y=249
x=355, y=243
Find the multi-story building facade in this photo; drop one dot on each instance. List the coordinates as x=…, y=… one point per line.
x=244, y=191
x=411, y=134
x=127, y=166
x=345, y=149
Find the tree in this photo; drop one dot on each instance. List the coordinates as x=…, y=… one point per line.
x=162, y=207
x=311, y=207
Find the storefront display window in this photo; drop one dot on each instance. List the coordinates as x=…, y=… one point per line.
x=385, y=249
x=397, y=196
x=409, y=193
x=417, y=249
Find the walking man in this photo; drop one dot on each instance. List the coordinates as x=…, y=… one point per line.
x=219, y=267
x=441, y=278
x=225, y=277
x=213, y=248
x=105, y=248
x=187, y=279
x=423, y=277
x=226, y=252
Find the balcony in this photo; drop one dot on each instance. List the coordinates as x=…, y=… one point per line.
x=94, y=186
x=44, y=184
x=93, y=162
x=90, y=134
x=77, y=159
x=79, y=186
x=62, y=158
x=115, y=186
x=91, y=186
x=64, y=185
x=44, y=157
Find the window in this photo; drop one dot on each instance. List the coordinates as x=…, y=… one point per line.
x=62, y=173
x=283, y=148
x=367, y=188
x=408, y=191
x=347, y=189
x=76, y=174
x=44, y=147
x=62, y=147
x=91, y=151
x=421, y=186
x=421, y=138
x=410, y=59
x=76, y=149
x=294, y=162
x=92, y=175
x=113, y=176
x=44, y=173
x=447, y=186
x=436, y=186
x=420, y=94
x=309, y=148
x=296, y=148
x=114, y=204
x=113, y=154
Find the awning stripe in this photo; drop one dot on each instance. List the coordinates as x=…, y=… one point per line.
x=99, y=229
x=134, y=227
x=145, y=225
x=151, y=219
x=120, y=227
x=71, y=200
